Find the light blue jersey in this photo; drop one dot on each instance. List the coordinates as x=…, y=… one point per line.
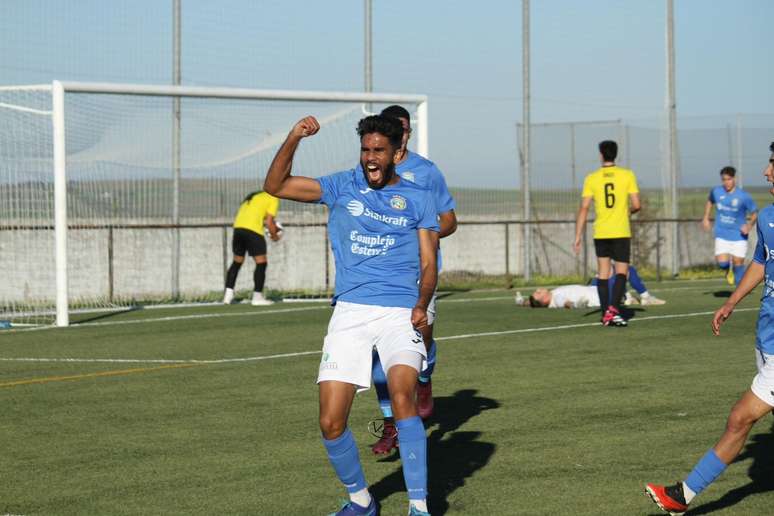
x=732, y=209
x=764, y=254
x=374, y=237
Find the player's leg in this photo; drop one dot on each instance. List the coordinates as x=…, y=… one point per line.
x=646, y=298
x=402, y=352
x=738, y=253
x=723, y=258
x=402, y=379
x=753, y=405
x=619, y=285
x=345, y=367
x=388, y=440
x=603, y=251
x=258, y=252
x=239, y=248
x=424, y=385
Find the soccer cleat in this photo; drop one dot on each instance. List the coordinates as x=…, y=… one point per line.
x=730, y=276
x=425, y=399
x=353, y=509
x=618, y=321
x=608, y=316
x=669, y=498
x=629, y=300
x=651, y=300
x=389, y=439
x=413, y=511
x=259, y=300
x=228, y=296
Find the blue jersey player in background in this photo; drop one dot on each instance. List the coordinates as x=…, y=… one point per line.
x=732, y=206
x=419, y=170
x=384, y=235
x=759, y=399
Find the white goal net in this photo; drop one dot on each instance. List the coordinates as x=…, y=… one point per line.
x=113, y=196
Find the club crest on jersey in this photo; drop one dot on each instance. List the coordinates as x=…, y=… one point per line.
x=735, y=202
x=408, y=176
x=355, y=208
x=397, y=202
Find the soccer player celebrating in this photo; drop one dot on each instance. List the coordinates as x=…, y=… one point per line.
x=415, y=168
x=615, y=194
x=731, y=227
x=759, y=399
x=379, y=224
x=257, y=209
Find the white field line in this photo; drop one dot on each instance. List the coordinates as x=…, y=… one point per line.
x=263, y=312
x=304, y=353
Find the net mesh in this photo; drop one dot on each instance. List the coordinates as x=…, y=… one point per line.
x=127, y=241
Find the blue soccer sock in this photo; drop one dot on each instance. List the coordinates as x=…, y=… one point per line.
x=705, y=472
x=413, y=453
x=635, y=281
x=380, y=383
x=738, y=273
x=427, y=372
x=345, y=459
x=724, y=265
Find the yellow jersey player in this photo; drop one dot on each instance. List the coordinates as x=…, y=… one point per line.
x=257, y=209
x=616, y=196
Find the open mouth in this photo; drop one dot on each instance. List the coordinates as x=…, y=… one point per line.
x=373, y=173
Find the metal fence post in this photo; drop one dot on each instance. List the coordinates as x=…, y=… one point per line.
x=658, y=251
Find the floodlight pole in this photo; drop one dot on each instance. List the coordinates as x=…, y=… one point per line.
x=176, y=79
x=525, y=181
x=672, y=109
x=368, y=70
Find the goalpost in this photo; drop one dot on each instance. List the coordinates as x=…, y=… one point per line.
x=132, y=199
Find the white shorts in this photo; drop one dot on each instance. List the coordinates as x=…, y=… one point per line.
x=763, y=383
x=355, y=330
x=736, y=248
x=431, y=311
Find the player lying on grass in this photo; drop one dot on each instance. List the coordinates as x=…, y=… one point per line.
x=378, y=225
x=758, y=401
x=582, y=296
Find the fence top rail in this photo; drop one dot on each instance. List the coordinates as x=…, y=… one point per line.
x=237, y=93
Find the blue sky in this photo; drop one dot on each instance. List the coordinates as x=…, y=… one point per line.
x=591, y=60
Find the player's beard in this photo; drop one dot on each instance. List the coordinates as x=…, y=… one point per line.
x=387, y=176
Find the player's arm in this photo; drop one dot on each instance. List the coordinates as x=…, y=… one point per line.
x=754, y=275
x=634, y=203
x=428, y=245
x=279, y=182
x=705, y=221
x=271, y=224
x=745, y=229
x=580, y=222
x=448, y=223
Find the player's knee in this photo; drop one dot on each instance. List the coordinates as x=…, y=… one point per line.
x=724, y=264
x=402, y=401
x=739, y=422
x=332, y=427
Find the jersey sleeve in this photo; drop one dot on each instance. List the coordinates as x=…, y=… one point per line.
x=331, y=186
x=587, y=187
x=273, y=207
x=711, y=196
x=749, y=203
x=633, y=188
x=759, y=256
x=428, y=216
x=443, y=199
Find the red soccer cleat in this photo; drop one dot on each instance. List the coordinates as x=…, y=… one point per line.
x=669, y=498
x=425, y=399
x=389, y=439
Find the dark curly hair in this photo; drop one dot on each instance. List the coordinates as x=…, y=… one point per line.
x=387, y=126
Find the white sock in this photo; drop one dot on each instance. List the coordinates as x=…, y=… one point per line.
x=645, y=294
x=688, y=494
x=362, y=497
x=419, y=504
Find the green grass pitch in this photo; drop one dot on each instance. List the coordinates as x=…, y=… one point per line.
x=172, y=412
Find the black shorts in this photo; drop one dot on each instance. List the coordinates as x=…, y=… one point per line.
x=619, y=249
x=245, y=240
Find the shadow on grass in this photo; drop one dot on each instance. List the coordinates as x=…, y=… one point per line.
x=761, y=474
x=722, y=293
x=452, y=456
x=106, y=315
